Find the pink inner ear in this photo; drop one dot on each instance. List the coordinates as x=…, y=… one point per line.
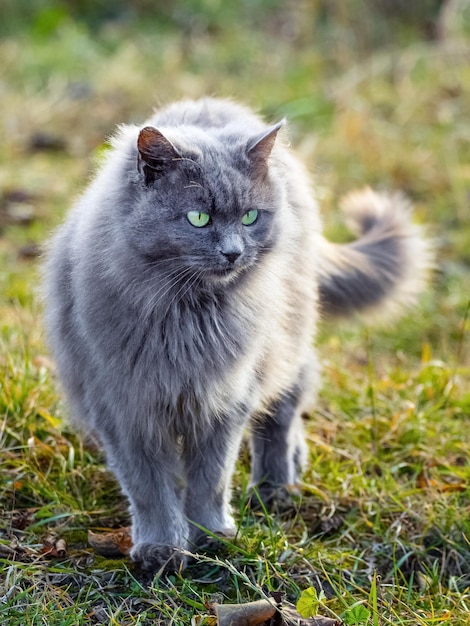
x=152, y=144
x=261, y=146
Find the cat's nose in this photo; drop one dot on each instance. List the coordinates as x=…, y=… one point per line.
x=231, y=255
x=231, y=247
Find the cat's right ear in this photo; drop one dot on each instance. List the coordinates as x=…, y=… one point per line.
x=260, y=147
x=157, y=155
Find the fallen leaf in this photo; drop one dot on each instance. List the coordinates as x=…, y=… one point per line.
x=248, y=614
x=112, y=543
x=268, y=612
x=54, y=547
x=424, y=481
x=21, y=519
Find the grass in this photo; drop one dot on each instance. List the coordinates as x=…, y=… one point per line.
x=384, y=520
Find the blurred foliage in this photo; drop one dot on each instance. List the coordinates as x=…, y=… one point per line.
x=376, y=92
x=369, y=19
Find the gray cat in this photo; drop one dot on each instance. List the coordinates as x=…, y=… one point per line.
x=182, y=296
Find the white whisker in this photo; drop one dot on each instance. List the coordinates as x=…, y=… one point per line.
x=165, y=289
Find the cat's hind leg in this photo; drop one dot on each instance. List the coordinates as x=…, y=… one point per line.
x=278, y=451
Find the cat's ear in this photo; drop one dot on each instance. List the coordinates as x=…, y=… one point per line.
x=260, y=147
x=157, y=155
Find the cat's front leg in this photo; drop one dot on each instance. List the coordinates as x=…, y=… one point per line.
x=209, y=464
x=150, y=478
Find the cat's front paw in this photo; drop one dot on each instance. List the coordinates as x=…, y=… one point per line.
x=154, y=558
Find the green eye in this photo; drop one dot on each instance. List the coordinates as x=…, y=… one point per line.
x=250, y=217
x=199, y=218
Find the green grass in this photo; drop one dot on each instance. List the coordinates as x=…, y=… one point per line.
x=384, y=520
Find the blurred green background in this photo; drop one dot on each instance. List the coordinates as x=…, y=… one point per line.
x=376, y=92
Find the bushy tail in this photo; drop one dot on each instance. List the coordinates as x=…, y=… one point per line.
x=382, y=271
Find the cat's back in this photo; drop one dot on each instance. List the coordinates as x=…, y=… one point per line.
x=208, y=113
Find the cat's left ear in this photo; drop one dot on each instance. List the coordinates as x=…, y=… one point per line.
x=260, y=147
x=157, y=155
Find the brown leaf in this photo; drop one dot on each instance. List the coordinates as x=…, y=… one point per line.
x=424, y=481
x=112, y=543
x=20, y=520
x=249, y=614
x=54, y=547
x=265, y=613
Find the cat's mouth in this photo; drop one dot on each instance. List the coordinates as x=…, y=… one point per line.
x=225, y=274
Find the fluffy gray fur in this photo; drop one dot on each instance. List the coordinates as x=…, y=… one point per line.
x=171, y=339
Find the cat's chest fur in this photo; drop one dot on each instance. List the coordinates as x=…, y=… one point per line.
x=198, y=337
x=184, y=356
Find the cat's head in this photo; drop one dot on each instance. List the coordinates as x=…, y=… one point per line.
x=205, y=202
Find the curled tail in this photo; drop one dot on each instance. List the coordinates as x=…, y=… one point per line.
x=382, y=271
